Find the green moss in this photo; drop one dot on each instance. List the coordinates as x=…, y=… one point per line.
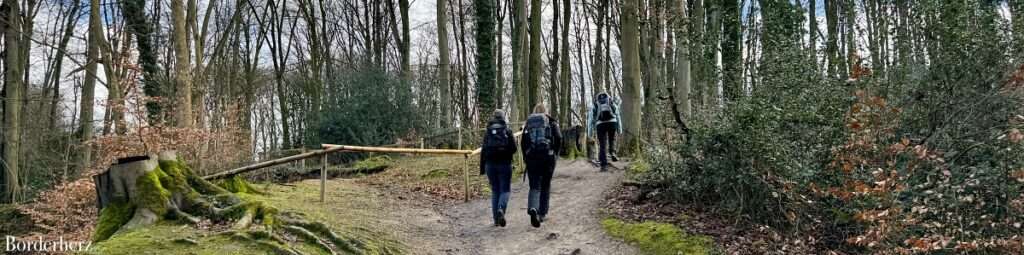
x=236, y=184
x=658, y=238
x=376, y=162
x=111, y=219
x=152, y=194
x=174, y=177
x=160, y=239
x=436, y=173
x=639, y=167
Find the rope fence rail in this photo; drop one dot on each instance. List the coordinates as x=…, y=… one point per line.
x=329, y=148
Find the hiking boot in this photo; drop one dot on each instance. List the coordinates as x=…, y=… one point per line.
x=500, y=221
x=542, y=217
x=534, y=217
x=615, y=158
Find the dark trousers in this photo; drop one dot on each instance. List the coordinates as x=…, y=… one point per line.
x=540, y=172
x=500, y=178
x=606, y=140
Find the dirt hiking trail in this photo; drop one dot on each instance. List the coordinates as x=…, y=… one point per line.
x=573, y=225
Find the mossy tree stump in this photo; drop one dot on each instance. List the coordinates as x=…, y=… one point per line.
x=140, y=191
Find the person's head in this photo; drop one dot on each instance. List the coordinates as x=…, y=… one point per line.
x=602, y=98
x=499, y=114
x=539, y=108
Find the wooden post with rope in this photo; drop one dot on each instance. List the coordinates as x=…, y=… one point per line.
x=323, y=176
x=465, y=171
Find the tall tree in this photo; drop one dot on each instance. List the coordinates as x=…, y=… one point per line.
x=682, y=58
x=565, y=93
x=485, y=69
x=138, y=24
x=832, y=44
x=444, y=63
x=631, y=85
x=812, y=27
x=553, y=63
x=698, y=65
x=520, y=51
x=85, y=124
x=533, y=86
x=52, y=80
x=598, y=67
x=404, y=42
x=182, y=65
x=1017, y=14
x=14, y=71
x=732, y=60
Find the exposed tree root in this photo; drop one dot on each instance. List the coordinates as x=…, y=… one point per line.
x=146, y=190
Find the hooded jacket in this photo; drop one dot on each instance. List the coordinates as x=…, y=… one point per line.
x=592, y=117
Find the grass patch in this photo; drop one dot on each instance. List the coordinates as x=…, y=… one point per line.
x=658, y=238
x=436, y=173
x=352, y=211
x=438, y=176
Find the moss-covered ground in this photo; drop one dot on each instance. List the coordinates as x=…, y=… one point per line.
x=658, y=238
x=351, y=210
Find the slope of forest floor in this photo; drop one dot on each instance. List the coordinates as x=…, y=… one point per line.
x=415, y=207
x=629, y=203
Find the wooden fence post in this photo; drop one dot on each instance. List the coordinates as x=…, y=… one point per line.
x=323, y=175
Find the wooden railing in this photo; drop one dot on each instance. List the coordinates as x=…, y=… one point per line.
x=328, y=148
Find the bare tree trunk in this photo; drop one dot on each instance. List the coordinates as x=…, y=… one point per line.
x=56, y=70
x=599, y=65
x=519, y=60
x=1017, y=12
x=566, y=80
x=13, y=97
x=631, y=80
x=182, y=65
x=812, y=13
x=404, y=42
x=732, y=52
x=682, y=51
x=832, y=45
x=444, y=63
x=533, y=87
x=553, y=63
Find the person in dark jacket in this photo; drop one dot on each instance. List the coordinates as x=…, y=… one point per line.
x=541, y=142
x=496, y=154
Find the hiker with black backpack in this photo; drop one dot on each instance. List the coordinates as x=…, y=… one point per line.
x=604, y=119
x=541, y=143
x=496, y=161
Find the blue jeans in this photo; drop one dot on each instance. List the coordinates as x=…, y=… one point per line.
x=540, y=172
x=500, y=178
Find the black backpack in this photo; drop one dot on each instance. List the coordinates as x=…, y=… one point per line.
x=605, y=110
x=538, y=130
x=496, y=138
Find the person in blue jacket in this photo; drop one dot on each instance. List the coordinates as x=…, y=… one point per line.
x=603, y=122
